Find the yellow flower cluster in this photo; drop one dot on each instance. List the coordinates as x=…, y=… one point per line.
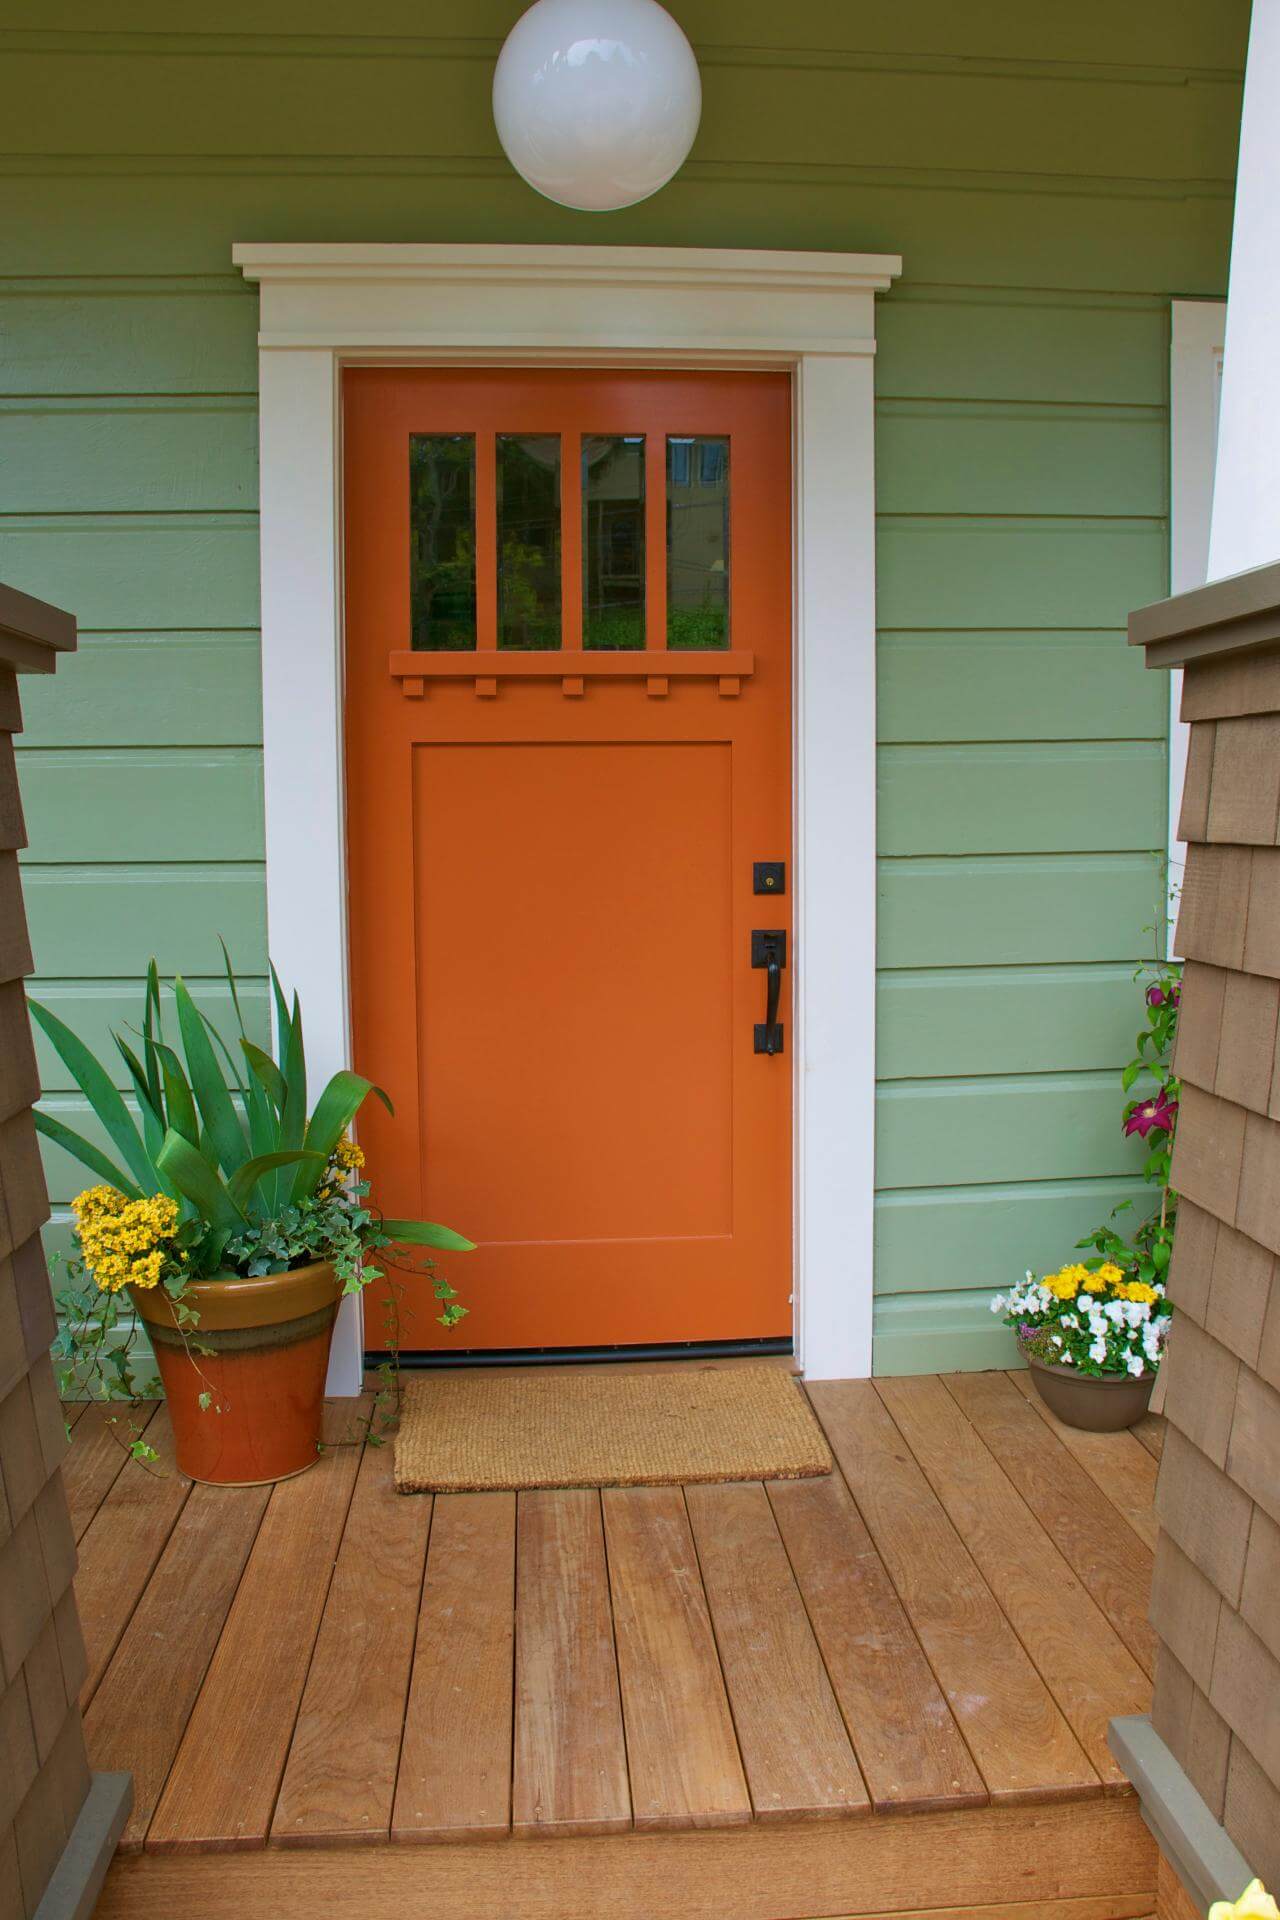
x=346, y=1158
x=1077, y=1279
x=124, y=1241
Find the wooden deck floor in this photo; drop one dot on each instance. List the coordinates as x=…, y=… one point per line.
x=943, y=1627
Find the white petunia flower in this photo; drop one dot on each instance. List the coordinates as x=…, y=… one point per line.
x=1098, y=1351
x=1136, y=1364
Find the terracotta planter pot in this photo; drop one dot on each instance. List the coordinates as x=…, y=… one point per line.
x=1095, y=1405
x=270, y=1341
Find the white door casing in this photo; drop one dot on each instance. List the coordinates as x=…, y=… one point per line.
x=1195, y=389
x=326, y=306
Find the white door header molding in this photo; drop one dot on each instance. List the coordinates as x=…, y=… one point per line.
x=477, y=301
x=812, y=313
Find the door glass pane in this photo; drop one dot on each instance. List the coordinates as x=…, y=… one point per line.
x=442, y=541
x=697, y=542
x=613, y=540
x=529, y=541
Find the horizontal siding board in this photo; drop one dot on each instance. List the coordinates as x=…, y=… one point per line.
x=135, y=455
x=126, y=690
x=131, y=572
x=945, y=456
x=763, y=114
x=1078, y=796
x=941, y=1332
x=982, y=911
x=1017, y=573
x=1032, y=1127
x=117, y=918
x=1016, y=686
x=95, y=1009
x=91, y=340
x=988, y=1236
x=1181, y=31
x=165, y=804
x=977, y=1020
x=980, y=346
x=95, y=220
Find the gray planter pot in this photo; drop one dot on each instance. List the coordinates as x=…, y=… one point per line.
x=1095, y=1405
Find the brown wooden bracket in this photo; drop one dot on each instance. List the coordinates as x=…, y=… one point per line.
x=573, y=667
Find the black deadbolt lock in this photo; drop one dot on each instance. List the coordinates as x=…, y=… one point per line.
x=769, y=876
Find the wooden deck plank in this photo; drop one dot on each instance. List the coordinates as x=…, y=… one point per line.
x=1097, y=1850
x=97, y=1456
x=1118, y=1463
x=121, y=1546
x=141, y=1709
x=455, y=1762
x=1087, y=1530
x=1091, y=1673
x=340, y=1776
x=1014, y=1728
x=911, y=1752
x=221, y=1790
x=682, y=1753
x=799, y=1763
x=570, y=1764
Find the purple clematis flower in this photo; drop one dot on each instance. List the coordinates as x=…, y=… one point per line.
x=1155, y=996
x=1150, y=1114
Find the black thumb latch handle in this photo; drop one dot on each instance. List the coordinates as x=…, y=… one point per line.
x=769, y=951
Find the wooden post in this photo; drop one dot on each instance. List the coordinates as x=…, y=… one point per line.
x=58, y=1824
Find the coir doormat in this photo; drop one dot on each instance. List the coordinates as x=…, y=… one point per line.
x=473, y=1430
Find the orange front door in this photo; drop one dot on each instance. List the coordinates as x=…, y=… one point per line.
x=568, y=745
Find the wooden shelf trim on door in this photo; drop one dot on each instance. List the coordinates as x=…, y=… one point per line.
x=573, y=667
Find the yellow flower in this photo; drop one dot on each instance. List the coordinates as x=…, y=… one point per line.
x=1255, y=1903
x=348, y=1156
x=1063, y=1286
x=1139, y=1292
x=1110, y=1273
x=124, y=1241
x=1094, y=1282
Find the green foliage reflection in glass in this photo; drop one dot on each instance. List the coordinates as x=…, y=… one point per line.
x=613, y=541
x=697, y=542
x=529, y=542
x=442, y=541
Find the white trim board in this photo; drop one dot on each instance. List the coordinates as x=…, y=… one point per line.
x=1195, y=390
x=813, y=313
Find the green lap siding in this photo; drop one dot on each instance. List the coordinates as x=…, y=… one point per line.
x=1052, y=178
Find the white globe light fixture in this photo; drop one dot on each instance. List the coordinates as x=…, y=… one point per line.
x=596, y=101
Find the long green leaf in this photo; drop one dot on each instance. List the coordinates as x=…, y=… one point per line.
x=152, y=1117
x=102, y=1094
x=425, y=1233
x=231, y=982
x=293, y=1119
x=85, y=1152
x=182, y=1116
x=152, y=1030
x=265, y=1070
x=237, y=1083
x=217, y=1110
x=198, y=1178
x=335, y=1110
x=245, y=1179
